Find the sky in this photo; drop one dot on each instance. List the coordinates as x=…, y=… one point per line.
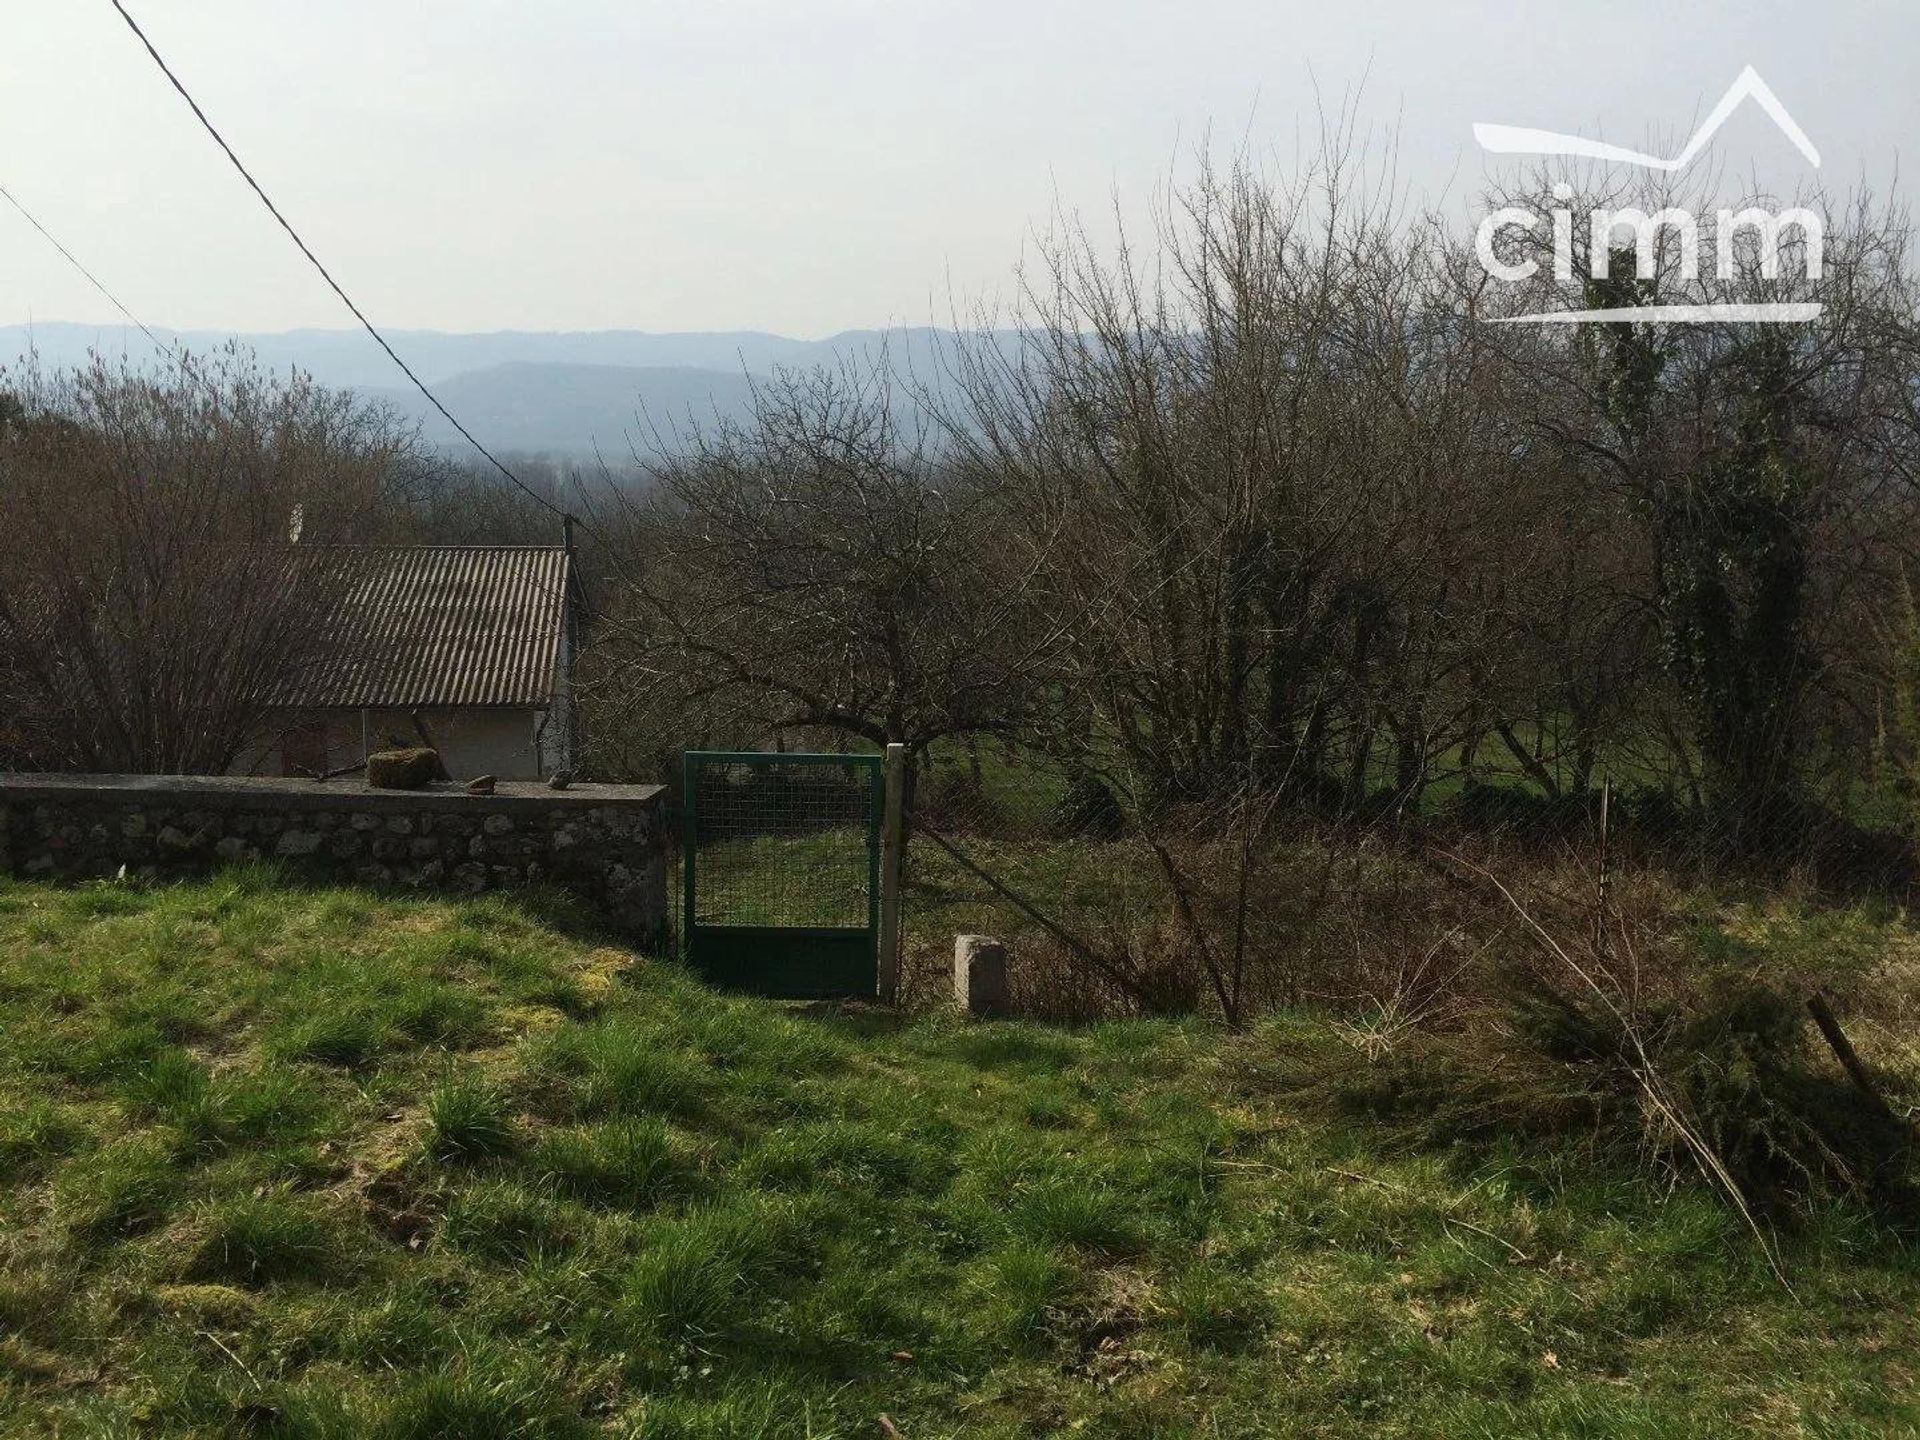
x=796, y=166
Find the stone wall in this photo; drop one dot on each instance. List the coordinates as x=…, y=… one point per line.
x=605, y=842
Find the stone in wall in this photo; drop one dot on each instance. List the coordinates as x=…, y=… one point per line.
x=606, y=843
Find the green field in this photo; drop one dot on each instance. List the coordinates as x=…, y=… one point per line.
x=316, y=1162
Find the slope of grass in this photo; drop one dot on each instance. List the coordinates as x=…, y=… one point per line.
x=321, y=1163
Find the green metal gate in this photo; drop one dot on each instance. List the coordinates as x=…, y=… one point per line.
x=781, y=871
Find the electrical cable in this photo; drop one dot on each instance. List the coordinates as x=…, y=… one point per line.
x=314, y=260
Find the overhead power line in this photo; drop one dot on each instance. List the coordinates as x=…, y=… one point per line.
x=172, y=351
x=325, y=275
x=91, y=278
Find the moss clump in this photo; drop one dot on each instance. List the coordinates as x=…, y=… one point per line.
x=402, y=769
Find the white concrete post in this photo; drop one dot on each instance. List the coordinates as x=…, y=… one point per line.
x=980, y=976
x=892, y=849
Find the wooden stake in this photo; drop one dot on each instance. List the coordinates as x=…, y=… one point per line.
x=892, y=847
x=1605, y=877
x=1844, y=1052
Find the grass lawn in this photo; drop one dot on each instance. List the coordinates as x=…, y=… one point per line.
x=295, y=1162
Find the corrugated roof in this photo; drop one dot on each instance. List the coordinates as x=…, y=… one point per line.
x=434, y=625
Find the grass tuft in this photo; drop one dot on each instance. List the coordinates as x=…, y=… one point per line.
x=1082, y=1212
x=620, y=1162
x=615, y=1067
x=1216, y=1306
x=119, y=1190
x=343, y=1038
x=1026, y=1287
x=468, y=1119
x=699, y=1274
x=255, y=1239
x=506, y=1222
x=34, y=1132
x=479, y=1401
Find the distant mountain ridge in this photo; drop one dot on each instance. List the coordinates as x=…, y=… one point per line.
x=613, y=410
x=568, y=392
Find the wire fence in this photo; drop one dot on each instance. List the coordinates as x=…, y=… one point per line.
x=1263, y=899
x=781, y=843
x=1002, y=843
x=1274, y=896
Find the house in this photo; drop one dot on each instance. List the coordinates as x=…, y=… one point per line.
x=472, y=645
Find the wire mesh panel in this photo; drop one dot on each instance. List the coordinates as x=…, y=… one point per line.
x=781, y=870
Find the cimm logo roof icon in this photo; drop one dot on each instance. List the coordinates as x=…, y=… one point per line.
x=1653, y=234
x=1519, y=140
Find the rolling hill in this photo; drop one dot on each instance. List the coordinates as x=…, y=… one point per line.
x=570, y=393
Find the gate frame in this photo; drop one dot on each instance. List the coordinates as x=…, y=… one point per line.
x=750, y=956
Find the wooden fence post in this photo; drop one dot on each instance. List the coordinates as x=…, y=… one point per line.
x=892, y=847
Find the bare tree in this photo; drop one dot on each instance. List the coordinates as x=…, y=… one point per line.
x=1256, y=461
x=822, y=568
x=1765, y=472
x=151, y=610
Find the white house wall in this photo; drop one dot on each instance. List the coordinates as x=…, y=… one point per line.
x=502, y=742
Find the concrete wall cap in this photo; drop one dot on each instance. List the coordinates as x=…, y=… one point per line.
x=232, y=792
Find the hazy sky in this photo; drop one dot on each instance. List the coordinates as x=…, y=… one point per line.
x=801, y=166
